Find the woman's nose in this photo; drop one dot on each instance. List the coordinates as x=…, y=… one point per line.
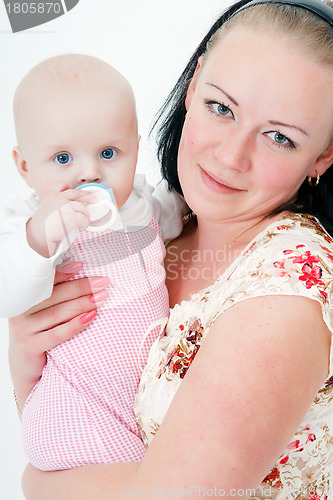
x=234, y=151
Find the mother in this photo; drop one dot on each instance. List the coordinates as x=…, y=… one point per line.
x=250, y=123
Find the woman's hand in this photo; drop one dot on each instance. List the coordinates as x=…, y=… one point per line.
x=68, y=311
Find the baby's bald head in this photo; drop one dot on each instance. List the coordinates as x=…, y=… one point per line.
x=70, y=72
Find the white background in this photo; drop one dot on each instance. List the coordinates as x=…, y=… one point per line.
x=149, y=41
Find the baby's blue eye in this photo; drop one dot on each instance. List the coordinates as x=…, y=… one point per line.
x=108, y=153
x=63, y=158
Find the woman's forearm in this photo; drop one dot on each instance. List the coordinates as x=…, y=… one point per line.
x=25, y=368
x=66, y=313
x=22, y=385
x=102, y=482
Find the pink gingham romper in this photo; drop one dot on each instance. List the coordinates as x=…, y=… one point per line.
x=81, y=411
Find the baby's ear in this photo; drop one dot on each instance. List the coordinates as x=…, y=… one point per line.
x=21, y=164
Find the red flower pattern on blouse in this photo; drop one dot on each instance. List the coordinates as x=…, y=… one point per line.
x=179, y=361
x=313, y=496
x=273, y=478
x=311, y=273
x=297, y=446
x=280, y=265
x=306, y=258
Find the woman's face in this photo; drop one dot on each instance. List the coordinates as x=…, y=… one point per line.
x=259, y=120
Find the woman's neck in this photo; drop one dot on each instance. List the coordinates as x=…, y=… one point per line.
x=227, y=235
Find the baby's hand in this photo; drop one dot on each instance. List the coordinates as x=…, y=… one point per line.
x=59, y=212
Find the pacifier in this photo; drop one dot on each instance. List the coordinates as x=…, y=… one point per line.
x=103, y=213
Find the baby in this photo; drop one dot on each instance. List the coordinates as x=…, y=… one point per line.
x=76, y=124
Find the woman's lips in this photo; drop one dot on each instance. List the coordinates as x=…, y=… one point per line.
x=216, y=184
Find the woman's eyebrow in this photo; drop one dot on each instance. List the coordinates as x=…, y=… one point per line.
x=224, y=92
x=274, y=122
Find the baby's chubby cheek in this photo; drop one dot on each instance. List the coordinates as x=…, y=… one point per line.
x=121, y=194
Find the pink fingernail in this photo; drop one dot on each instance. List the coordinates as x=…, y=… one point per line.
x=88, y=316
x=74, y=267
x=99, y=296
x=98, y=282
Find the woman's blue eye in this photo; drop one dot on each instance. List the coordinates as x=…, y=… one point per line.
x=108, y=153
x=221, y=109
x=218, y=108
x=281, y=140
x=63, y=158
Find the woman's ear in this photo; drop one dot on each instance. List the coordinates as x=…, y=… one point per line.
x=323, y=162
x=192, y=85
x=21, y=164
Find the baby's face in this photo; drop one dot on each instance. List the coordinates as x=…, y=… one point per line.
x=78, y=136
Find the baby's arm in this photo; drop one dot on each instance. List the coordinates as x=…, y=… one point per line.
x=27, y=275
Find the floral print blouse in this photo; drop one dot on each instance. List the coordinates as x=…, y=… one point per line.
x=292, y=256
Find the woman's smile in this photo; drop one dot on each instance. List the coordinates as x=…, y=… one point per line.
x=216, y=184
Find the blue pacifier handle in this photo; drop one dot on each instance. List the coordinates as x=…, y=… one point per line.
x=97, y=184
